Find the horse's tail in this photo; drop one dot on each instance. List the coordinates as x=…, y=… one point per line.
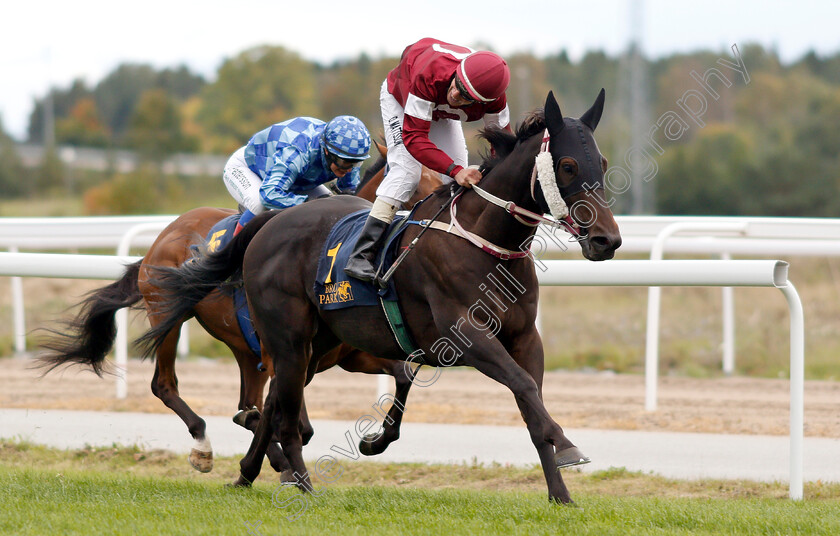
x=89, y=337
x=183, y=287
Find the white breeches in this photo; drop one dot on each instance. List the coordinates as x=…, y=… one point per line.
x=403, y=171
x=244, y=185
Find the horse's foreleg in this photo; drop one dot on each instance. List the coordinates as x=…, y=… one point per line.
x=527, y=352
x=546, y=435
x=165, y=387
x=490, y=357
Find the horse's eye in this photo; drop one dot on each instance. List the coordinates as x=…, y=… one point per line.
x=568, y=168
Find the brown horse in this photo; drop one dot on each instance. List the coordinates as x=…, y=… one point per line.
x=461, y=305
x=91, y=334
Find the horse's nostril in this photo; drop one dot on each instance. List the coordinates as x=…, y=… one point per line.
x=604, y=243
x=599, y=242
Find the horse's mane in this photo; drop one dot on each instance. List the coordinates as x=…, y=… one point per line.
x=503, y=142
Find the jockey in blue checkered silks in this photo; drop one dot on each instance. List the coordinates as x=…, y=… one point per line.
x=287, y=163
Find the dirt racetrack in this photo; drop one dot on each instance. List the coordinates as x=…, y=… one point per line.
x=575, y=400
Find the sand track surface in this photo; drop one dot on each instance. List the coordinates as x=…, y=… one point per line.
x=736, y=405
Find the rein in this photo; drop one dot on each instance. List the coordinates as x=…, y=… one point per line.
x=544, y=173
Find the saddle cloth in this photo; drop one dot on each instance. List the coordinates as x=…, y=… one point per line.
x=217, y=238
x=221, y=233
x=333, y=288
x=336, y=290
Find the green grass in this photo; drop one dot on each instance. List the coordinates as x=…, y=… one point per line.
x=128, y=491
x=40, y=502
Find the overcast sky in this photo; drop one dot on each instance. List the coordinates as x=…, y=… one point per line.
x=50, y=42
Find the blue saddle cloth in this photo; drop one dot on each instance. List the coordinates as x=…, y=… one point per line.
x=217, y=238
x=336, y=290
x=221, y=233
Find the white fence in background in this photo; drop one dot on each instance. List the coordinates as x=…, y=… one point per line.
x=561, y=273
x=120, y=232
x=720, y=236
x=75, y=233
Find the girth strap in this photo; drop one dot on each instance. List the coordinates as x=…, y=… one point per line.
x=397, y=325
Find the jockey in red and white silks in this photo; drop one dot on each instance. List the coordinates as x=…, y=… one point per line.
x=423, y=100
x=419, y=118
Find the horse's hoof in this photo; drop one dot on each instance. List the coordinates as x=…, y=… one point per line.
x=567, y=503
x=244, y=417
x=368, y=445
x=569, y=457
x=287, y=478
x=240, y=482
x=201, y=461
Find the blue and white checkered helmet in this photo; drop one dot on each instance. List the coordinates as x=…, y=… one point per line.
x=346, y=136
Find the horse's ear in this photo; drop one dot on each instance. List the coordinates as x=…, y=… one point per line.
x=553, y=115
x=593, y=115
x=382, y=148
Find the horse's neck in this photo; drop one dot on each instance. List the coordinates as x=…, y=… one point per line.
x=510, y=181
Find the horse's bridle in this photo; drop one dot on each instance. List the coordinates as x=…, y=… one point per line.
x=545, y=174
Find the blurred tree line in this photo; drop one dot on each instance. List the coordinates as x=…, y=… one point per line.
x=766, y=147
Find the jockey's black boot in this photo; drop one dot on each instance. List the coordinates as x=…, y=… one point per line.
x=361, y=262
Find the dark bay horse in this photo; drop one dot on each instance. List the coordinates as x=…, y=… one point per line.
x=90, y=336
x=462, y=305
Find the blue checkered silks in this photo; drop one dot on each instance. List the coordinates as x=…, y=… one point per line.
x=347, y=137
x=289, y=158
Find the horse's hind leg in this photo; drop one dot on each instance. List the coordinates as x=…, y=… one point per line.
x=165, y=387
x=291, y=351
x=252, y=383
x=358, y=361
x=281, y=413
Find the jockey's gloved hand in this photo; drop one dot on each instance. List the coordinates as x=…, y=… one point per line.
x=346, y=191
